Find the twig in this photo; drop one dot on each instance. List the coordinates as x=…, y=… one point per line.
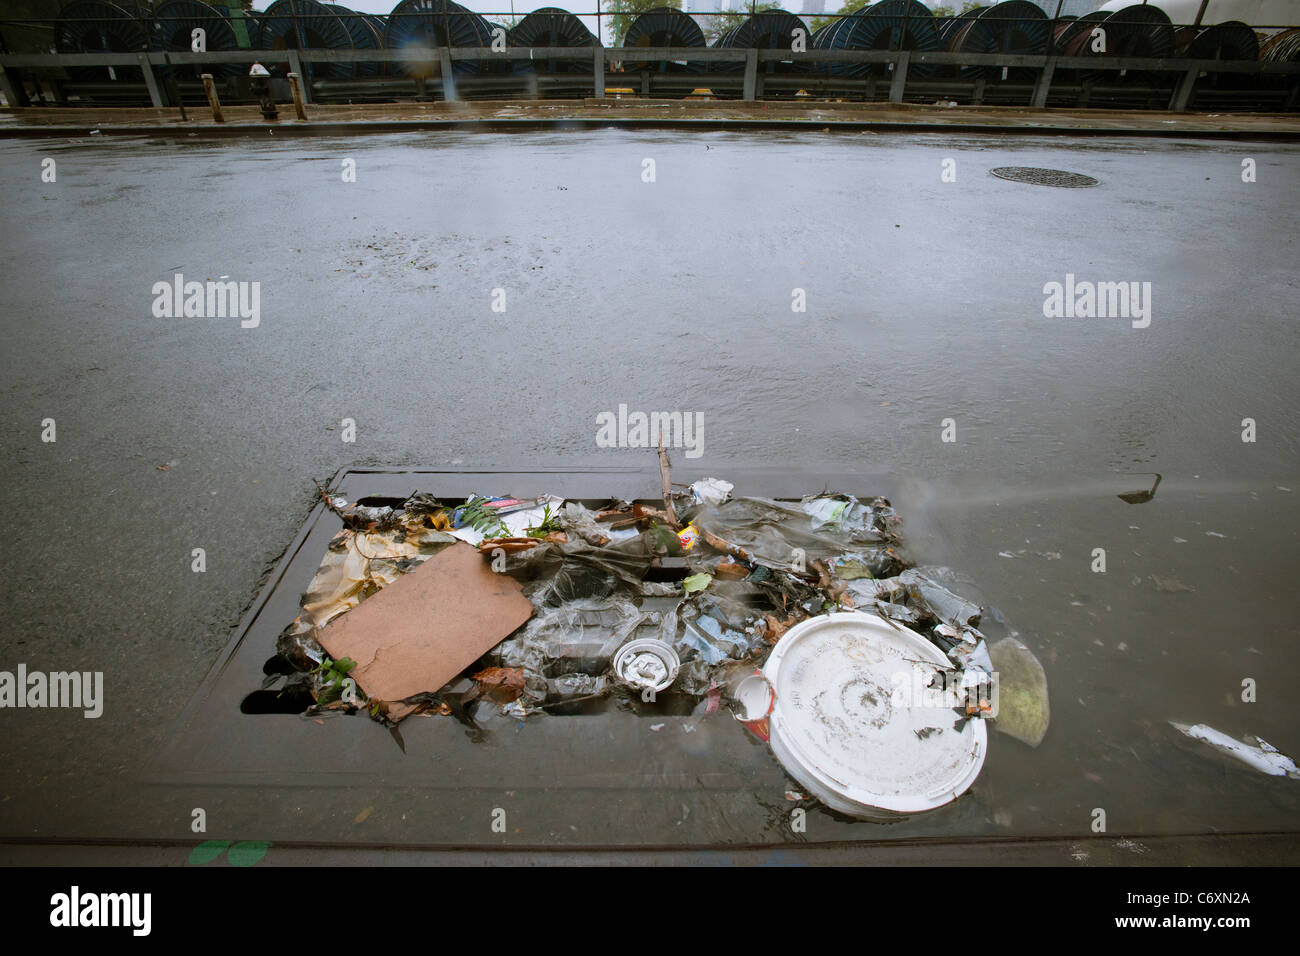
x=667, y=484
x=325, y=497
x=719, y=544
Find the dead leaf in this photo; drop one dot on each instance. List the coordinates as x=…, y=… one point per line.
x=776, y=629
x=732, y=570
x=500, y=684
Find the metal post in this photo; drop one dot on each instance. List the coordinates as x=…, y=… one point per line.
x=900, y=77
x=1044, y=84
x=598, y=76
x=210, y=89
x=11, y=83
x=295, y=86
x=1183, y=92
x=751, y=72
x=448, y=81
x=295, y=66
x=150, y=82
x=174, y=95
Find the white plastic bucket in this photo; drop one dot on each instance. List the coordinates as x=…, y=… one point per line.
x=855, y=723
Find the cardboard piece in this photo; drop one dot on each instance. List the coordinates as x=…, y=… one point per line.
x=426, y=627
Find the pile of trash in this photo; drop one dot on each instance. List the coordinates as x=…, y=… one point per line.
x=497, y=606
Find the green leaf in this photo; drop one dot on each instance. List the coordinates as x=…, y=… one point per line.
x=247, y=853
x=207, y=851
x=696, y=582
x=666, y=538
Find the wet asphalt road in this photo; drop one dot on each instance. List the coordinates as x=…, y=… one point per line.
x=924, y=302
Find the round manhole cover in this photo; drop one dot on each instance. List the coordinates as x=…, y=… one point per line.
x=1043, y=177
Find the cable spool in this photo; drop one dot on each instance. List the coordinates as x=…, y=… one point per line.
x=1139, y=30
x=1230, y=40
x=1281, y=47
x=1073, y=37
x=966, y=34
x=1072, y=34
x=173, y=30
x=421, y=26
x=364, y=36
x=1018, y=27
x=307, y=25
x=97, y=26
x=887, y=25
x=661, y=27
x=551, y=26
x=765, y=30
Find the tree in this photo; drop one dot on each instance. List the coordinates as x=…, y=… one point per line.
x=625, y=11
x=853, y=6
x=720, y=23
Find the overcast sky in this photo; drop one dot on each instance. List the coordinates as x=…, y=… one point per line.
x=527, y=6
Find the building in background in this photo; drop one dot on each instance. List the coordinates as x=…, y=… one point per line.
x=1069, y=8
x=1257, y=13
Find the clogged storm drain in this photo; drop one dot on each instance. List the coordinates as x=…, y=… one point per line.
x=1043, y=177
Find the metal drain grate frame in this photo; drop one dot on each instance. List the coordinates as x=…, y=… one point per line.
x=1043, y=177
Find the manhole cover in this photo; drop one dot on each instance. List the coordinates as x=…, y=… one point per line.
x=1043, y=177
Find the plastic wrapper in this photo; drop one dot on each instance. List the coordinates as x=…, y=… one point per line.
x=785, y=535
x=946, y=606
x=716, y=632
x=580, y=637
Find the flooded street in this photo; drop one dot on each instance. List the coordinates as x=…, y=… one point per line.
x=924, y=319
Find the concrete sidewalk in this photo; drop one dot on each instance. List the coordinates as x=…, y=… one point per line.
x=634, y=112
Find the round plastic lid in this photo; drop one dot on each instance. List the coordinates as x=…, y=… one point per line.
x=648, y=663
x=856, y=723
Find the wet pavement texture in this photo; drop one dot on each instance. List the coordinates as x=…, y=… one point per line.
x=924, y=302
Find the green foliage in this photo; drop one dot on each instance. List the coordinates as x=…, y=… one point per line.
x=696, y=582
x=486, y=521
x=666, y=539
x=333, y=673
x=853, y=6
x=625, y=11
x=548, y=524
x=720, y=23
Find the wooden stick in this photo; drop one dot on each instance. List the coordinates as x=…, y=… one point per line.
x=664, y=466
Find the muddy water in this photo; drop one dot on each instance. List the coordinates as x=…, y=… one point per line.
x=924, y=302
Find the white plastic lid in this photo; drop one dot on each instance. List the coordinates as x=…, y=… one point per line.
x=647, y=663
x=856, y=724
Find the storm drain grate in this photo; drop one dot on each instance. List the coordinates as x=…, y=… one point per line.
x=1043, y=177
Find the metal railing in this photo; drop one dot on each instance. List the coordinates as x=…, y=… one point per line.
x=754, y=74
